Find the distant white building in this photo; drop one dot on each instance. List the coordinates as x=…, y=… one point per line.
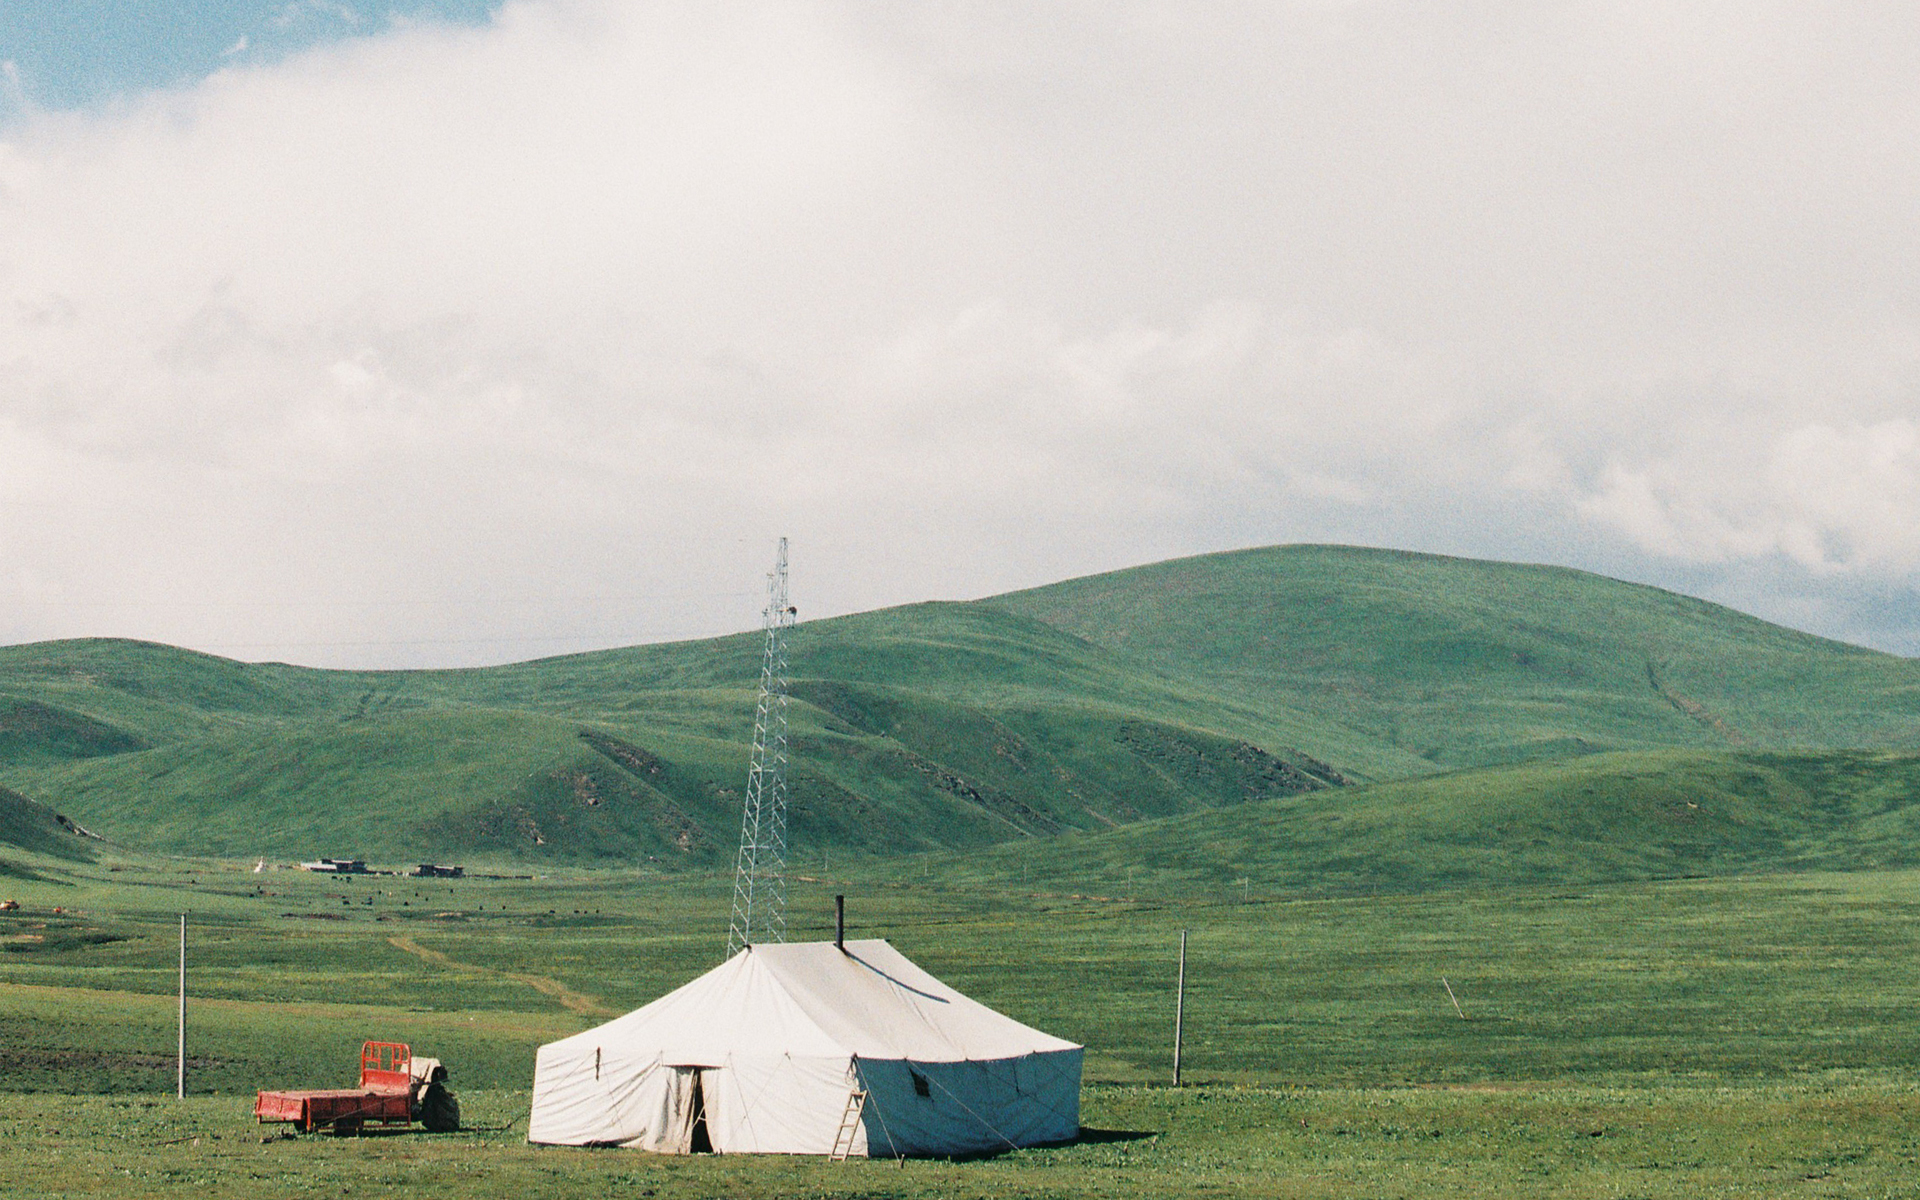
x=336, y=866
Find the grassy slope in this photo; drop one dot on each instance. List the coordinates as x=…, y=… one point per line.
x=1472, y=663
x=1164, y=690
x=936, y=726
x=1622, y=816
x=37, y=829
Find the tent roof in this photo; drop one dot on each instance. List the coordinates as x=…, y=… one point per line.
x=812, y=998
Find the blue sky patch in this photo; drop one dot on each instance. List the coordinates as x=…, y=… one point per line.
x=68, y=54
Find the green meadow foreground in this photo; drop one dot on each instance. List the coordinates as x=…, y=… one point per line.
x=1735, y=1036
x=1564, y=1140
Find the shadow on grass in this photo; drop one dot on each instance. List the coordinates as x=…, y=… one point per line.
x=375, y=1131
x=1095, y=1137
x=1086, y=1137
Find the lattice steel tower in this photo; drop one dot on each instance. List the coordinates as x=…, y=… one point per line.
x=760, y=872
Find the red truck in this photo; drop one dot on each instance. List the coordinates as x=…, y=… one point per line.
x=395, y=1089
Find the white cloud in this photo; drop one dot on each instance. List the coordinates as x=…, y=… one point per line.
x=429, y=334
x=1834, y=499
x=13, y=96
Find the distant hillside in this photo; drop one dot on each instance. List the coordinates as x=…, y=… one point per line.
x=1603, y=818
x=1172, y=689
x=25, y=825
x=924, y=728
x=1469, y=663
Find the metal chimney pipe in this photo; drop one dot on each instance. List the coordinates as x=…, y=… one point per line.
x=840, y=923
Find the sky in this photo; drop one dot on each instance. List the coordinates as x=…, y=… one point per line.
x=430, y=334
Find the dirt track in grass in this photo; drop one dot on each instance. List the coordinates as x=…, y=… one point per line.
x=569, y=999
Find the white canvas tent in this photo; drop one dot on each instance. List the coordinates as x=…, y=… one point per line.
x=762, y=1053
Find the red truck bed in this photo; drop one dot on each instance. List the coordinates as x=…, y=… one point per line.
x=338, y=1106
x=385, y=1095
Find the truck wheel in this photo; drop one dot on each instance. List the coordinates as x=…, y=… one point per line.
x=440, y=1110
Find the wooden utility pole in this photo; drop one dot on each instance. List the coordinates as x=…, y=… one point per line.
x=1179, y=1007
x=180, y=1065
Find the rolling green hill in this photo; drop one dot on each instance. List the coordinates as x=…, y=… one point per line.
x=1271, y=677
x=929, y=727
x=1600, y=818
x=41, y=832
x=1469, y=663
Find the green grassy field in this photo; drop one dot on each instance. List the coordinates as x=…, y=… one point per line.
x=1813, y=1140
x=1748, y=1036
x=1721, y=978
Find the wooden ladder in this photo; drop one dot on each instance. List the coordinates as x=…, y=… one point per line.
x=849, y=1125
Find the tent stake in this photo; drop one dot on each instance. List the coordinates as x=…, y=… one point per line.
x=840, y=923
